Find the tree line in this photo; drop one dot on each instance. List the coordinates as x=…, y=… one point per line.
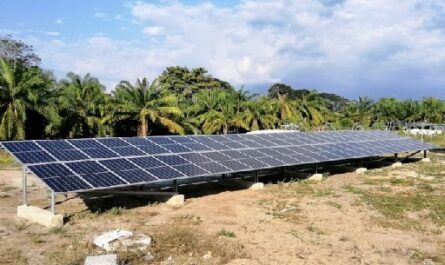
x=35, y=105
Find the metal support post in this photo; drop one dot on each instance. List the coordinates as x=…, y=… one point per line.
x=256, y=176
x=53, y=202
x=424, y=154
x=396, y=157
x=175, y=185
x=24, y=186
x=316, y=168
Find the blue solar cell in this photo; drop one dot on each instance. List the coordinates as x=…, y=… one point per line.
x=287, y=159
x=23, y=146
x=234, y=165
x=86, y=167
x=153, y=149
x=252, y=144
x=216, y=156
x=253, y=163
x=68, y=155
x=233, y=154
x=127, y=151
x=160, y=139
x=34, y=157
x=55, y=145
x=66, y=184
x=101, y=152
x=234, y=145
x=195, y=158
x=183, y=140
x=165, y=173
x=118, y=164
x=197, y=147
x=50, y=170
x=284, y=150
x=105, y=179
x=252, y=153
x=172, y=160
x=271, y=161
x=213, y=167
x=268, y=151
x=216, y=146
x=113, y=142
x=191, y=170
x=176, y=148
x=137, y=140
x=85, y=143
x=147, y=162
x=135, y=176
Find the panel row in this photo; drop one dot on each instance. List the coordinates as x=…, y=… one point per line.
x=86, y=175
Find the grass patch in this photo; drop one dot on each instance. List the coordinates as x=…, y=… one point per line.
x=281, y=209
x=353, y=189
x=6, y=160
x=226, y=233
x=189, y=244
x=58, y=230
x=334, y=204
x=73, y=253
x=12, y=256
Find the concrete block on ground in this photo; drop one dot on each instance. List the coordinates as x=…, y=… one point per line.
x=425, y=160
x=257, y=186
x=176, y=200
x=110, y=259
x=361, y=170
x=40, y=216
x=315, y=177
x=397, y=164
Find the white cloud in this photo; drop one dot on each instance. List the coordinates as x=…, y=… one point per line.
x=59, y=20
x=100, y=15
x=52, y=33
x=151, y=31
x=350, y=46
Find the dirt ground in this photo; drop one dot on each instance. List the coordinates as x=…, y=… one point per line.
x=385, y=216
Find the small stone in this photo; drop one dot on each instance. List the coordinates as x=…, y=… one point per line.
x=316, y=177
x=149, y=257
x=397, y=164
x=207, y=256
x=101, y=260
x=428, y=262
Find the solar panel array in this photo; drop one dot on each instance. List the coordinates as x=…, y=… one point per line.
x=87, y=164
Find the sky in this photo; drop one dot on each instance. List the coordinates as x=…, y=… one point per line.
x=376, y=48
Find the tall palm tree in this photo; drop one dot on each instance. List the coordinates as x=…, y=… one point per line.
x=360, y=111
x=82, y=103
x=287, y=109
x=259, y=114
x=313, y=108
x=432, y=109
x=22, y=89
x=147, y=103
x=219, y=111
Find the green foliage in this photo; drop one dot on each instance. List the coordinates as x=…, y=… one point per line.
x=226, y=233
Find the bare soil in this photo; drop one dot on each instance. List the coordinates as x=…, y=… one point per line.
x=344, y=219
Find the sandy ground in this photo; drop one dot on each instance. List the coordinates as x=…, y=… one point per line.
x=279, y=225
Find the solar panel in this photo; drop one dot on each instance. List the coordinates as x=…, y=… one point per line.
x=87, y=164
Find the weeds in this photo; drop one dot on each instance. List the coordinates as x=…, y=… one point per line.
x=226, y=233
x=57, y=230
x=334, y=204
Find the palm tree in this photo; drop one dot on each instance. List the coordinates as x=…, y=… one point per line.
x=313, y=108
x=22, y=89
x=145, y=103
x=359, y=111
x=82, y=103
x=219, y=111
x=259, y=114
x=287, y=109
x=432, y=109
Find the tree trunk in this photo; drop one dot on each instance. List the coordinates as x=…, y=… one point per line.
x=225, y=129
x=143, y=126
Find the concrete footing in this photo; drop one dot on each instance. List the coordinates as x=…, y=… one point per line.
x=315, y=177
x=176, y=200
x=40, y=216
x=361, y=170
x=243, y=184
x=425, y=160
x=396, y=164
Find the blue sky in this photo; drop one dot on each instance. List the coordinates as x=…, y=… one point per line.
x=350, y=47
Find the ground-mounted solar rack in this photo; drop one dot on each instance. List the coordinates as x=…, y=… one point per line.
x=81, y=165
